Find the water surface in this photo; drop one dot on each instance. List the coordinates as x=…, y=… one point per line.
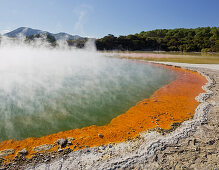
x=44, y=95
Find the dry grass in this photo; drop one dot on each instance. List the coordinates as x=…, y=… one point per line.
x=193, y=58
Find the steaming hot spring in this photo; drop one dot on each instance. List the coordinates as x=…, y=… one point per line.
x=45, y=90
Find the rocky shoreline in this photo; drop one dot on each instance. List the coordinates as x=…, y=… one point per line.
x=193, y=145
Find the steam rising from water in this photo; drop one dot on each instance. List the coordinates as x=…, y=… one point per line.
x=44, y=90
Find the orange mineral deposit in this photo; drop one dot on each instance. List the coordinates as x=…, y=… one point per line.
x=172, y=103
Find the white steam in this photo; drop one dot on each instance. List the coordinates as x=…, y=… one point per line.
x=44, y=90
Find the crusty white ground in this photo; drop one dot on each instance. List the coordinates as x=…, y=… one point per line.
x=206, y=66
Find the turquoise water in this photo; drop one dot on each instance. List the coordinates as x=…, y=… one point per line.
x=40, y=97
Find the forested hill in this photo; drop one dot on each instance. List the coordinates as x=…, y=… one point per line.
x=204, y=39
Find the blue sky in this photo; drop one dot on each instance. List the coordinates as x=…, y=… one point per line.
x=97, y=18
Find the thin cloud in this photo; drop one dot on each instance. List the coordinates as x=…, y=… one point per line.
x=5, y=31
x=81, y=13
x=79, y=25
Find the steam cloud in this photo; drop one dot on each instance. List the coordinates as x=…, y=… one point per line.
x=45, y=90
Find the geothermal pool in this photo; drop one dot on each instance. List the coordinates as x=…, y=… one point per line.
x=46, y=91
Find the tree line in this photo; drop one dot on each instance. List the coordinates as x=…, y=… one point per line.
x=204, y=39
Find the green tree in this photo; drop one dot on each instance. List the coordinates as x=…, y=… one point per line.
x=180, y=39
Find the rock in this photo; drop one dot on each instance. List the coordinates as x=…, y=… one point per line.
x=181, y=151
x=23, y=152
x=6, y=152
x=156, y=158
x=46, y=160
x=100, y=135
x=198, y=149
x=74, y=147
x=204, y=123
x=60, y=150
x=195, y=141
x=70, y=139
x=62, y=142
x=163, y=148
x=103, y=147
x=211, y=142
x=69, y=143
x=189, y=141
x=44, y=147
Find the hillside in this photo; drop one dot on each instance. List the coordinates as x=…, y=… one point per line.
x=202, y=39
x=25, y=31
